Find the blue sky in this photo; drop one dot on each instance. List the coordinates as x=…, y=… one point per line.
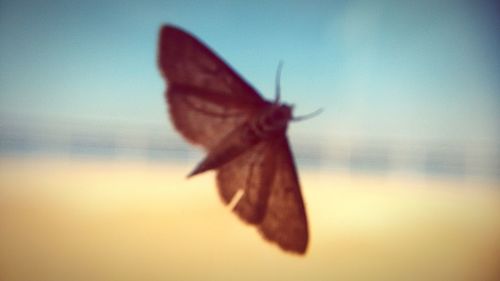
x=419, y=70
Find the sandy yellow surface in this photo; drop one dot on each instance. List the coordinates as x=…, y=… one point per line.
x=76, y=220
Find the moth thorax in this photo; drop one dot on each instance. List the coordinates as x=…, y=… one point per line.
x=272, y=121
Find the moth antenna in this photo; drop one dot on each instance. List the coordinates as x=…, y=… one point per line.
x=307, y=116
x=278, y=87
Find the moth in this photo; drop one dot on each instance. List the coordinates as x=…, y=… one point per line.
x=243, y=134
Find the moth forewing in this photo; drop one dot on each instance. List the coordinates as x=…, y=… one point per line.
x=285, y=221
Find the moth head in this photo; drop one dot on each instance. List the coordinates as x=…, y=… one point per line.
x=278, y=115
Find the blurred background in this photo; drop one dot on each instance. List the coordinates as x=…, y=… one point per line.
x=400, y=173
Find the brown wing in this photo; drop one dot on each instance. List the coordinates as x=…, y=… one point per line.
x=253, y=173
x=271, y=199
x=285, y=221
x=207, y=99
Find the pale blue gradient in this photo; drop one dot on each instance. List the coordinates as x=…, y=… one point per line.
x=417, y=70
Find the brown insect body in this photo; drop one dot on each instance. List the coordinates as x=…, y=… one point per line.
x=243, y=134
x=270, y=123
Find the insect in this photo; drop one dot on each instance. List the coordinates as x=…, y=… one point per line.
x=244, y=136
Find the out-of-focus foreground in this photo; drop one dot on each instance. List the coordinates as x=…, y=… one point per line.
x=67, y=219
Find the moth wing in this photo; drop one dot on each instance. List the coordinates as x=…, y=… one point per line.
x=207, y=99
x=272, y=198
x=285, y=221
x=252, y=172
